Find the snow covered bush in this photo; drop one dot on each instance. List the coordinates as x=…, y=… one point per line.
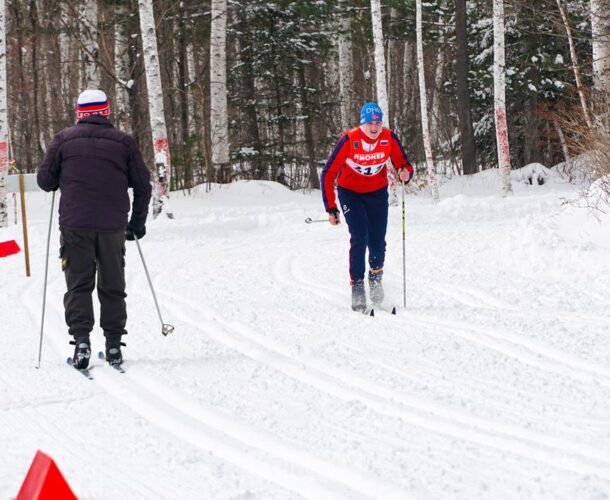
x=598, y=194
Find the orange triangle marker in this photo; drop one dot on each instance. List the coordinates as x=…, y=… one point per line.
x=44, y=481
x=9, y=248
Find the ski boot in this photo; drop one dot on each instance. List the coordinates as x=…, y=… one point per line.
x=82, y=353
x=114, y=356
x=358, y=296
x=375, y=286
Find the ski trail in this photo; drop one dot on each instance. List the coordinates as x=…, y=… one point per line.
x=527, y=351
x=222, y=423
x=470, y=296
x=348, y=386
x=477, y=298
x=130, y=484
x=240, y=446
x=213, y=440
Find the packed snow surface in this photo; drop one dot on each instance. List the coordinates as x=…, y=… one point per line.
x=493, y=383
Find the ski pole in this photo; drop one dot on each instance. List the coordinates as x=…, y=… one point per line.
x=309, y=220
x=44, y=287
x=404, y=264
x=165, y=327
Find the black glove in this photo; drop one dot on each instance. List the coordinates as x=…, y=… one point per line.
x=334, y=212
x=131, y=233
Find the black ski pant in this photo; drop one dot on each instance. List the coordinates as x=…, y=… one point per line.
x=83, y=255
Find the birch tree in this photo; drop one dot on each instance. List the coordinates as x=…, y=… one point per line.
x=575, y=66
x=90, y=72
x=423, y=102
x=219, y=126
x=380, y=80
x=344, y=27
x=190, y=90
x=121, y=67
x=600, y=41
x=3, y=120
x=156, y=109
x=500, y=98
x=600, y=28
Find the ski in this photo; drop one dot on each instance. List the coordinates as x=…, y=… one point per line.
x=118, y=367
x=390, y=310
x=83, y=371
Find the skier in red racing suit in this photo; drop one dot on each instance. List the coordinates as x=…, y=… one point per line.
x=359, y=164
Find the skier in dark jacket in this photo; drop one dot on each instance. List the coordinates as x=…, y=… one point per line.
x=359, y=164
x=94, y=164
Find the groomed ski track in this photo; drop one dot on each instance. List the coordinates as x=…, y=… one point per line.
x=487, y=386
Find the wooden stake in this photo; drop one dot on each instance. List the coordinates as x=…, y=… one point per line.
x=24, y=222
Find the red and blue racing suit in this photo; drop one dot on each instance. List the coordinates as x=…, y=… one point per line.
x=359, y=165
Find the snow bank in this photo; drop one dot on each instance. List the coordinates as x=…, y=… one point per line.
x=244, y=193
x=530, y=179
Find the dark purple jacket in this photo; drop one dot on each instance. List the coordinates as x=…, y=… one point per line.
x=94, y=164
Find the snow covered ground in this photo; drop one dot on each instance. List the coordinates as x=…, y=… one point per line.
x=494, y=383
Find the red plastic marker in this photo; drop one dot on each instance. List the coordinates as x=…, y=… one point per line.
x=9, y=248
x=44, y=481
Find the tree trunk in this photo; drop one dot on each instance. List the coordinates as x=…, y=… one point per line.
x=600, y=27
x=600, y=40
x=314, y=178
x=532, y=143
x=344, y=27
x=121, y=68
x=190, y=60
x=251, y=130
x=435, y=105
x=156, y=109
x=90, y=50
x=380, y=80
x=575, y=66
x=500, y=98
x=469, y=160
x=3, y=121
x=562, y=141
x=423, y=103
x=185, y=114
x=219, y=124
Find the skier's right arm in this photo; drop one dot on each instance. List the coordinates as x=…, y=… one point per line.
x=331, y=170
x=48, y=171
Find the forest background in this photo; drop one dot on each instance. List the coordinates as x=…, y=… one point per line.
x=297, y=73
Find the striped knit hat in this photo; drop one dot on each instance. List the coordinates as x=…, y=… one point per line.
x=92, y=102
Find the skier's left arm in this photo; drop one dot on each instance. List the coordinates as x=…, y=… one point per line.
x=139, y=180
x=400, y=159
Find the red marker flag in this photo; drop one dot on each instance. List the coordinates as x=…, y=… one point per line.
x=9, y=248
